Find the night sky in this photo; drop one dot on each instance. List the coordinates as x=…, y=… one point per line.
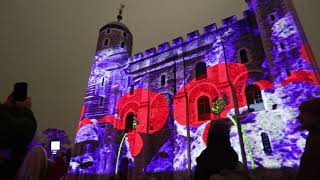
x=51, y=44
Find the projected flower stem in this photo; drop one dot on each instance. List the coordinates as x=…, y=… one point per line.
x=245, y=139
x=217, y=107
x=119, y=150
x=134, y=125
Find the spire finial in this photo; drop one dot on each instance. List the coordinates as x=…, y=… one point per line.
x=119, y=17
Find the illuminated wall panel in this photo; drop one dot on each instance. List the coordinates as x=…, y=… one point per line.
x=141, y=115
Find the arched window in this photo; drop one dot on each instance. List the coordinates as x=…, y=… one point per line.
x=122, y=44
x=201, y=71
x=131, y=90
x=272, y=17
x=266, y=143
x=282, y=46
x=203, y=106
x=163, y=80
x=288, y=72
x=124, y=34
x=106, y=42
x=129, y=121
x=254, y=98
x=274, y=106
x=243, y=56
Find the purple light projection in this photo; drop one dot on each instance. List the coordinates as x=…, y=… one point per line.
x=168, y=112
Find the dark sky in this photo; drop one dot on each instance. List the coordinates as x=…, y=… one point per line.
x=51, y=44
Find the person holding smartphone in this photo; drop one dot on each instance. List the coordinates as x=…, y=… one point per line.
x=18, y=127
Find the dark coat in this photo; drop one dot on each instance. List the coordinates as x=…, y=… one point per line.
x=219, y=155
x=309, y=164
x=17, y=129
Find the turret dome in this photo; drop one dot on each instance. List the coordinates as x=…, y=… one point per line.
x=116, y=25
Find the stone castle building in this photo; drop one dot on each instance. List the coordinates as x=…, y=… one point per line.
x=147, y=115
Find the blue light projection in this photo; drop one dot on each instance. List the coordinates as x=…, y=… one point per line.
x=277, y=62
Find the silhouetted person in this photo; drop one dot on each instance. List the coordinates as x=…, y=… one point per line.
x=17, y=129
x=34, y=166
x=310, y=120
x=59, y=167
x=219, y=155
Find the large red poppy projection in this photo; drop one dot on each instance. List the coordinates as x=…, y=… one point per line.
x=301, y=76
x=150, y=110
x=215, y=85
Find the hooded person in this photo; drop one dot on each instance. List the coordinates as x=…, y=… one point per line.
x=18, y=127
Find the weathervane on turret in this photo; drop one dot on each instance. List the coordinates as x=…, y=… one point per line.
x=119, y=17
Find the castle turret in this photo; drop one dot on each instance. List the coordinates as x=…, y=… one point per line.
x=116, y=38
x=285, y=45
x=107, y=82
x=107, y=78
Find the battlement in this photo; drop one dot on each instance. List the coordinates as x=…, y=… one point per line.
x=193, y=35
x=163, y=47
x=150, y=52
x=229, y=20
x=177, y=41
x=210, y=29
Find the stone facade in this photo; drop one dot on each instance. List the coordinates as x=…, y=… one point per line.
x=142, y=118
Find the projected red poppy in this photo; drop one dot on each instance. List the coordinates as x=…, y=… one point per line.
x=304, y=51
x=264, y=84
x=84, y=122
x=139, y=103
x=205, y=133
x=302, y=76
x=215, y=85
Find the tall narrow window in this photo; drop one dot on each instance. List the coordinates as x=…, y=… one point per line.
x=122, y=44
x=288, y=72
x=282, y=46
x=266, y=143
x=131, y=89
x=203, y=106
x=254, y=98
x=129, y=121
x=124, y=34
x=201, y=71
x=102, y=83
x=101, y=101
x=243, y=56
x=272, y=17
x=163, y=80
x=108, y=30
x=106, y=42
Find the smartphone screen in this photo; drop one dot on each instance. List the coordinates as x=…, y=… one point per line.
x=20, y=91
x=54, y=146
